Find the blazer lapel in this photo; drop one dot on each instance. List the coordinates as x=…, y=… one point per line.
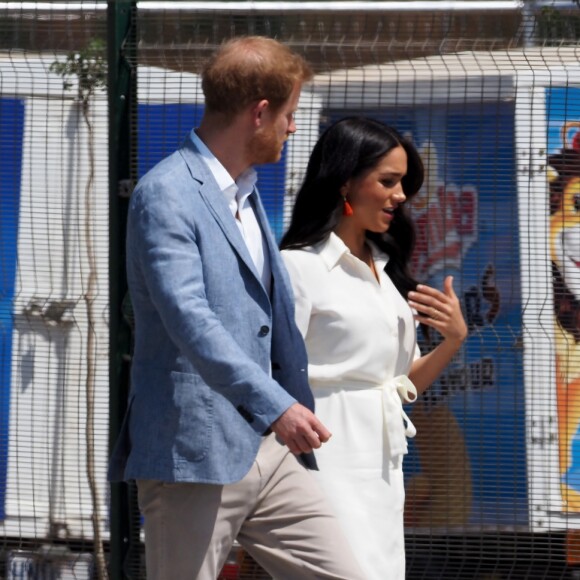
x=216, y=203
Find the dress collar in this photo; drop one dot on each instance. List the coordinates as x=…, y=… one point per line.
x=332, y=249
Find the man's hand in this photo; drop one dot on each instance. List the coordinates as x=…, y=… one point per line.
x=300, y=430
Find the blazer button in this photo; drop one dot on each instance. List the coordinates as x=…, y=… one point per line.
x=264, y=330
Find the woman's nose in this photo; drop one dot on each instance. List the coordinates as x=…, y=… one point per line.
x=400, y=194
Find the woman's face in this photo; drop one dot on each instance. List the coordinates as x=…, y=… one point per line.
x=375, y=195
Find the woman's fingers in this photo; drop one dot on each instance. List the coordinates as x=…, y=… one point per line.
x=440, y=310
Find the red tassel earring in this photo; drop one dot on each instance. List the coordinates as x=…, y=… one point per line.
x=347, y=208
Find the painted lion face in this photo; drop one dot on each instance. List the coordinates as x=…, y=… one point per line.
x=565, y=235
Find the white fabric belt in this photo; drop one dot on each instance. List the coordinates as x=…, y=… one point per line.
x=395, y=391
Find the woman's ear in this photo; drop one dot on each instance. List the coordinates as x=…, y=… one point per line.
x=345, y=189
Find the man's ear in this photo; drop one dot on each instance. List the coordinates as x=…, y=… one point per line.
x=258, y=111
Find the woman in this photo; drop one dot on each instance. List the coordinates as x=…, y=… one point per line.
x=348, y=249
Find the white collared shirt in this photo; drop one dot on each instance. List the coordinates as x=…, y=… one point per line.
x=356, y=329
x=237, y=194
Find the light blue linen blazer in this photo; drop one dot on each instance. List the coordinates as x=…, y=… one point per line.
x=206, y=333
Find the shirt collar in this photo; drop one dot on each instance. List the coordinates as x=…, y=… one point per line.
x=245, y=182
x=333, y=249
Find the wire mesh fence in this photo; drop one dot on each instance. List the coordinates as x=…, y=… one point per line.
x=490, y=94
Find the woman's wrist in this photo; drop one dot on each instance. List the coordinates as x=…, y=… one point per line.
x=454, y=342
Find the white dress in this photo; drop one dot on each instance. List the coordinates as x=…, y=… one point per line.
x=359, y=335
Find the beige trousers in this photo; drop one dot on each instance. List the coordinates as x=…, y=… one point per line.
x=277, y=512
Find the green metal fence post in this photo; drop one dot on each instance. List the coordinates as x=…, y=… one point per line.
x=121, y=23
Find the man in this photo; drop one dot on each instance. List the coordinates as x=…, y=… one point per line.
x=220, y=414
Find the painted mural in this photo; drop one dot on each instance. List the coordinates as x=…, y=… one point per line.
x=563, y=119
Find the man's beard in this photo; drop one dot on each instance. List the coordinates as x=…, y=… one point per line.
x=265, y=147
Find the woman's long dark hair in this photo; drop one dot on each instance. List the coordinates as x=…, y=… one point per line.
x=346, y=150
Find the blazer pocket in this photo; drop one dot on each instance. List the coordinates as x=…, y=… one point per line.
x=193, y=405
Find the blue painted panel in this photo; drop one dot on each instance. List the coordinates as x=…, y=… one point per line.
x=11, y=139
x=162, y=128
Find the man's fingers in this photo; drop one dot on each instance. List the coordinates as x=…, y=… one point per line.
x=315, y=434
x=293, y=446
x=298, y=445
x=305, y=443
x=300, y=430
x=322, y=432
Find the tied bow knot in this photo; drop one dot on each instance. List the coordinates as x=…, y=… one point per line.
x=395, y=391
